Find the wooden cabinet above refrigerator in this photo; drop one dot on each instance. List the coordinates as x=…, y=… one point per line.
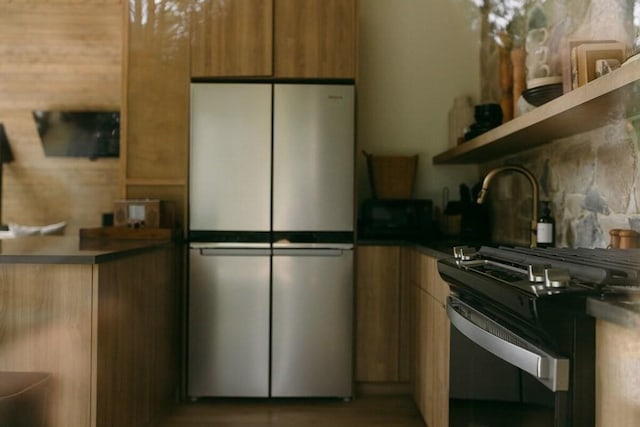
x=274, y=38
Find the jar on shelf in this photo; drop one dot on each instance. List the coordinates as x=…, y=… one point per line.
x=460, y=118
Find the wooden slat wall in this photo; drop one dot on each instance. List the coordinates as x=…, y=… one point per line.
x=57, y=54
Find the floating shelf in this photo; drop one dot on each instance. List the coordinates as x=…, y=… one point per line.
x=599, y=102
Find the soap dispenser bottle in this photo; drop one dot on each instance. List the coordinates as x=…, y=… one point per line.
x=545, y=230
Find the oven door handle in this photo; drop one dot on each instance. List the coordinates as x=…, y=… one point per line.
x=550, y=370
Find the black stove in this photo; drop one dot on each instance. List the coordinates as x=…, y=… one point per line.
x=519, y=280
x=528, y=307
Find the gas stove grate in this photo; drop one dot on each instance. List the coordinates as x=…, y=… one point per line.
x=595, y=267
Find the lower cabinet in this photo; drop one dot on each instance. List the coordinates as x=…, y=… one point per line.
x=431, y=348
x=379, y=330
x=402, y=328
x=617, y=375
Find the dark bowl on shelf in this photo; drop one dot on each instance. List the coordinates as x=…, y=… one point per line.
x=488, y=113
x=540, y=95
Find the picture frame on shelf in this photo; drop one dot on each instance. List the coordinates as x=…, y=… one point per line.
x=585, y=56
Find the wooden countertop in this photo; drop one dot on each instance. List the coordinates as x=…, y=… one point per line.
x=70, y=249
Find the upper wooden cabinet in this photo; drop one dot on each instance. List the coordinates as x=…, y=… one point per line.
x=315, y=38
x=274, y=38
x=232, y=38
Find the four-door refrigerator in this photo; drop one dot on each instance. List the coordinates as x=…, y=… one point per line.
x=271, y=218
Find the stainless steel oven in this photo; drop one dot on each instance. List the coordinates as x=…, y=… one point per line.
x=522, y=346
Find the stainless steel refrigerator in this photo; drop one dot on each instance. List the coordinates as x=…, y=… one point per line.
x=271, y=219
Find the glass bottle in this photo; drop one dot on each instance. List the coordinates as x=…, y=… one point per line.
x=460, y=118
x=545, y=230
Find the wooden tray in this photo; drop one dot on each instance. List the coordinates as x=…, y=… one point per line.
x=128, y=233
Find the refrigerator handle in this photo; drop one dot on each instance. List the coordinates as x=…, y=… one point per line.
x=234, y=252
x=321, y=252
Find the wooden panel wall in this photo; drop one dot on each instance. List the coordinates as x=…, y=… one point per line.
x=156, y=106
x=57, y=54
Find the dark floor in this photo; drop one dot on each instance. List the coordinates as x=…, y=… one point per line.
x=360, y=412
x=365, y=411
x=497, y=414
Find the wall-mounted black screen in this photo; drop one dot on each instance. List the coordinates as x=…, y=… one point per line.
x=89, y=134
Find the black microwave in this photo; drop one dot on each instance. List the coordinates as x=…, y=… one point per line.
x=396, y=218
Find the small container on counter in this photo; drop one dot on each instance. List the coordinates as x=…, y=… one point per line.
x=545, y=230
x=623, y=239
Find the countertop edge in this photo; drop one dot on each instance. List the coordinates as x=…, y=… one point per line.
x=71, y=250
x=614, y=312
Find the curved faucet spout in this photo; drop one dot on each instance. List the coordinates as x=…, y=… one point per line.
x=534, y=189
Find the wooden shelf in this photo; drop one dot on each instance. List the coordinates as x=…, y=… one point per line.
x=602, y=101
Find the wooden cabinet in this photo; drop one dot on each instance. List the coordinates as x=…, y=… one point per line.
x=402, y=333
x=107, y=333
x=155, y=107
x=315, y=38
x=382, y=317
x=377, y=313
x=431, y=348
x=232, y=38
x=274, y=38
x=617, y=375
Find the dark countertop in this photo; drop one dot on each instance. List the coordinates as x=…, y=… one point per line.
x=437, y=248
x=69, y=249
x=621, y=310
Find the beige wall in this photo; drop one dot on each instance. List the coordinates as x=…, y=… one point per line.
x=416, y=56
x=62, y=54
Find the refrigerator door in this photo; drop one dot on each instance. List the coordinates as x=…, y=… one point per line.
x=230, y=152
x=312, y=330
x=313, y=163
x=228, y=351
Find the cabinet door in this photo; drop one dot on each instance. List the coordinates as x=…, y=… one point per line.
x=228, y=324
x=407, y=282
x=312, y=315
x=313, y=164
x=315, y=38
x=440, y=378
x=230, y=172
x=377, y=305
x=421, y=350
x=232, y=38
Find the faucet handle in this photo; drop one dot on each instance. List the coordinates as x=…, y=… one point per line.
x=481, y=195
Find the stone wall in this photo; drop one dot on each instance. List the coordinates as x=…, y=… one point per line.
x=592, y=181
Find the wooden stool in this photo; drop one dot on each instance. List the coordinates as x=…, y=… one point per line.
x=23, y=398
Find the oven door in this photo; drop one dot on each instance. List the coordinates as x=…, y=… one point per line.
x=497, y=378
x=548, y=368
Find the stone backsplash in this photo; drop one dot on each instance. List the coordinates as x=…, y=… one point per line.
x=591, y=179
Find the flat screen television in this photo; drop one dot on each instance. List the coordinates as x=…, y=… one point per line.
x=91, y=134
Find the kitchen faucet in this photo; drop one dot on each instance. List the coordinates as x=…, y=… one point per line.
x=534, y=189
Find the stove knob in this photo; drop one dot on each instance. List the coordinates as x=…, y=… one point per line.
x=464, y=253
x=556, y=278
x=536, y=273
